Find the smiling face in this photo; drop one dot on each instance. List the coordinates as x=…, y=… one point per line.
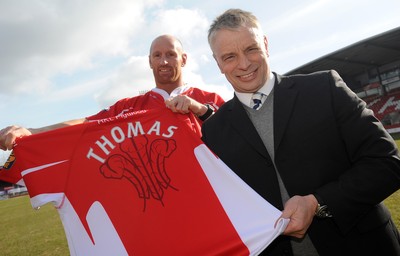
x=242, y=56
x=166, y=60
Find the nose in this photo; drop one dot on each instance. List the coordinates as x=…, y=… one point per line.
x=163, y=60
x=243, y=62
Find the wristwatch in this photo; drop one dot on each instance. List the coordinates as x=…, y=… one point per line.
x=209, y=112
x=322, y=210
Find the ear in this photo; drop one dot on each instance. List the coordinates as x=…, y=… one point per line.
x=184, y=59
x=266, y=45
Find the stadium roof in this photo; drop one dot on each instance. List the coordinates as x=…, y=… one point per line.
x=357, y=58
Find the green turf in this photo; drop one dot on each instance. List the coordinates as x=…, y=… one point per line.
x=393, y=203
x=25, y=231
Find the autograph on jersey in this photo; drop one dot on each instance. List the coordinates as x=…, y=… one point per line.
x=142, y=163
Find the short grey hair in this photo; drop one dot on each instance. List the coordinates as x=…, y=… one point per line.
x=233, y=19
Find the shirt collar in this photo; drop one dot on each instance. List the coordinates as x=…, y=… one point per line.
x=245, y=98
x=175, y=92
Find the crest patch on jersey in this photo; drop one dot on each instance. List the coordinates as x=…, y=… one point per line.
x=10, y=161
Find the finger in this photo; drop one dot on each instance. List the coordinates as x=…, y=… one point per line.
x=181, y=107
x=170, y=103
x=292, y=230
x=3, y=139
x=173, y=105
x=9, y=141
x=3, y=143
x=287, y=212
x=167, y=103
x=297, y=226
x=184, y=106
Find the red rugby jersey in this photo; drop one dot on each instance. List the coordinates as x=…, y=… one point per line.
x=142, y=184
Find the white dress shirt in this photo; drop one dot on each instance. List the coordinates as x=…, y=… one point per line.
x=266, y=89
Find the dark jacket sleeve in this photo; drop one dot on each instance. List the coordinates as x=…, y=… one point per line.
x=374, y=171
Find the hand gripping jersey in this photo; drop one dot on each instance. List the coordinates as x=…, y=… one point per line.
x=151, y=100
x=142, y=183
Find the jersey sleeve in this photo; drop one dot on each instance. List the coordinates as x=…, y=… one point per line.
x=217, y=100
x=9, y=174
x=205, y=97
x=41, y=162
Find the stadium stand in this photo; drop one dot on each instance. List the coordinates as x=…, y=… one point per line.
x=8, y=190
x=371, y=68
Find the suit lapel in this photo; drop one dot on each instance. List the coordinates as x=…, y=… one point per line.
x=242, y=124
x=268, y=187
x=284, y=101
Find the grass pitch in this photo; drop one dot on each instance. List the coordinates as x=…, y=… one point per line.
x=25, y=231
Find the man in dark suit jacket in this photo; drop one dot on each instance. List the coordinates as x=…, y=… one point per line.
x=312, y=149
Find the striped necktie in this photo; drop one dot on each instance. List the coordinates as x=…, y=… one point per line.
x=256, y=100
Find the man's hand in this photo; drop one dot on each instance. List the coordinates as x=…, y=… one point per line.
x=184, y=104
x=9, y=134
x=300, y=210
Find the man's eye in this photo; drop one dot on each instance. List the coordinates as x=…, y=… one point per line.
x=228, y=58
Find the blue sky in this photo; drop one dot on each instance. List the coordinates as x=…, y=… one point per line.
x=61, y=60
